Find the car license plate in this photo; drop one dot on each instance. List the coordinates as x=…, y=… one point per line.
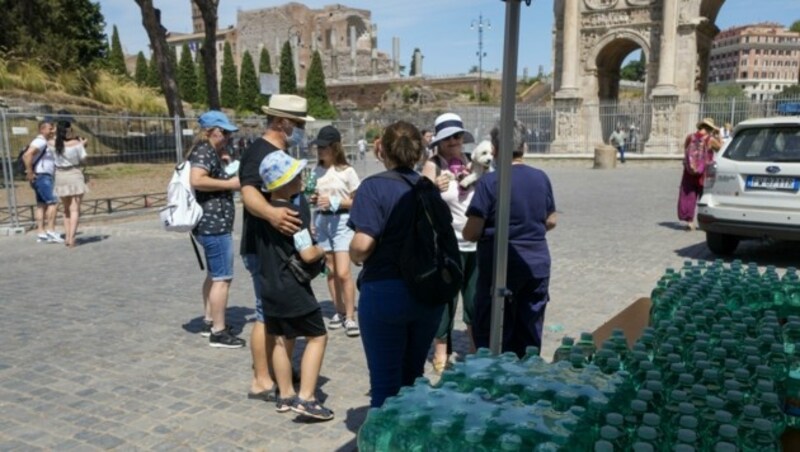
x=771, y=183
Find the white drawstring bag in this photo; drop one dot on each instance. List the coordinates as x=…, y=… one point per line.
x=182, y=212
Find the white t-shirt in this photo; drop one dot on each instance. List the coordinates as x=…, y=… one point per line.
x=72, y=156
x=458, y=200
x=336, y=182
x=46, y=164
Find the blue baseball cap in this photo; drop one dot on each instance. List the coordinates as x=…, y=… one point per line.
x=216, y=118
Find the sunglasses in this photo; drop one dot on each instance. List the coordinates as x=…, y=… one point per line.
x=225, y=133
x=456, y=136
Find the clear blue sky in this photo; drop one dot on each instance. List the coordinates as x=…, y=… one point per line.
x=440, y=28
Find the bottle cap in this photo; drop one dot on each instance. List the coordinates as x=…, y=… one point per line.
x=688, y=422
x=723, y=417
x=609, y=432
x=752, y=411
x=647, y=433
x=614, y=419
x=687, y=435
x=651, y=419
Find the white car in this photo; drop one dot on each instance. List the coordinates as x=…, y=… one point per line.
x=751, y=190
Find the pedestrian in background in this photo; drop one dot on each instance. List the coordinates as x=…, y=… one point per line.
x=699, y=148
x=396, y=329
x=532, y=215
x=337, y=182
x=70, y=184
x=617, y=139
x=214, y=191
x=39, y=172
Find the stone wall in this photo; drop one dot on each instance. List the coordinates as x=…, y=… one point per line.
x=326, y=30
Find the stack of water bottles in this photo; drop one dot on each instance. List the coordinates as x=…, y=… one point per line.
x=717, y=370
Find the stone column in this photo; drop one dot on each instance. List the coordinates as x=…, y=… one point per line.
x=668, y=49
x=569, y=53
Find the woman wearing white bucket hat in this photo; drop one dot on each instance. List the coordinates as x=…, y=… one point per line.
x=446, y=168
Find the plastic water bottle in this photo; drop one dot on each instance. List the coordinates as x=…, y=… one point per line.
x=564, y=351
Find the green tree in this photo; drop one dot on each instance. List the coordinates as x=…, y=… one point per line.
x=264, y=64
x=202, y=87
x=316, y=92
x=248, y=84
x=288, y=83
x=725, y=91
x=795, y=26
x=229, y=89
x=140, y=73
x=790, y=92
x=264, y=67
x=187, y=75
x=58, y=34
x=635, y=70
x=116, y=59
x=153, y=75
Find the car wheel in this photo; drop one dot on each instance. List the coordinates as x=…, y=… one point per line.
x=722, y=244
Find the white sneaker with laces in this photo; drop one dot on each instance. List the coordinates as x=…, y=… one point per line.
x=42, y=238
x=335, y=322
x=54, y=237
x=351, y=328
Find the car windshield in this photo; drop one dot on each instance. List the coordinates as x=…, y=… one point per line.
x=766, y=144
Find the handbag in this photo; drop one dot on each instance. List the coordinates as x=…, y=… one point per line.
x=303, y=272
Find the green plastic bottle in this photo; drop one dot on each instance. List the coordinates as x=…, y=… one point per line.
x=586, y=345
x=564, y=351
x=760, y=439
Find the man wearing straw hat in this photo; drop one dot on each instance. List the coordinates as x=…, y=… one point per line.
x=287, y=115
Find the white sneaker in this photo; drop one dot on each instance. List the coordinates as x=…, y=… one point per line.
x=54, y=237
x=42, y=238
x=335, y=322
x=351, y=328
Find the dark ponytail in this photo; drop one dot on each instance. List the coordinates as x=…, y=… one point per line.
x=62, y=129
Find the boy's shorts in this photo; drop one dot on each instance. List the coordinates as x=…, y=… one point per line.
x=308, y=325
x=43, y=187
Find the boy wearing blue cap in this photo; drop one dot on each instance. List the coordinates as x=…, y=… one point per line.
x=290, y=307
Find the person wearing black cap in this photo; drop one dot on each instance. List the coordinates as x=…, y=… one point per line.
x=337, y=182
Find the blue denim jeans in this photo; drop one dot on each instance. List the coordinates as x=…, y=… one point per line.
x=43, y=187
x=396, y=331
x=253, y=265
x=219, y=255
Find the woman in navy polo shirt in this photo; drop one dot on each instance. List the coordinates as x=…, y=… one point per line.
x=533, y=213
x=396, y=330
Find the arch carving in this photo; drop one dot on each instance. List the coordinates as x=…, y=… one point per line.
x=593, y=47
x=599, y=5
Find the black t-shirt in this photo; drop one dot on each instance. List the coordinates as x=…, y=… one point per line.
x=252, y=226
x=218, y=208
x=281, y=294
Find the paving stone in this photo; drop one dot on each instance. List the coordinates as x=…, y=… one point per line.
x=122, y=365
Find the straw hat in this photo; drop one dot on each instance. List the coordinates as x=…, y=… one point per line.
x=288, y=106
x=707, y=122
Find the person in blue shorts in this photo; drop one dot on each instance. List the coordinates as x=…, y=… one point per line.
x=533, y=213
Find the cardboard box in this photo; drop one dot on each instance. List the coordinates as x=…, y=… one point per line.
x=633, y=320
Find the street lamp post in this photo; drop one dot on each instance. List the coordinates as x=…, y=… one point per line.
x=294, y=43
x=479, y=25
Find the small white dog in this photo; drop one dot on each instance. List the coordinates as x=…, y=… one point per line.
x=481, y=163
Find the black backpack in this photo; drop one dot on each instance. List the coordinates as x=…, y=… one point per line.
x=429, y=259
x=20, y=165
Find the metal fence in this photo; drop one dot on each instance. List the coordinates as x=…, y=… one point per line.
x=137, y=149
x=147, y=147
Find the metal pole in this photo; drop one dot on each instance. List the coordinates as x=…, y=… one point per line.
x=8, y=171
x=507, y=108
x=480, y=24
x=733, y=110
x=176, y=126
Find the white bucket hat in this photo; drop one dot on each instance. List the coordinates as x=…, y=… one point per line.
x=288, y=106
x=447, y=125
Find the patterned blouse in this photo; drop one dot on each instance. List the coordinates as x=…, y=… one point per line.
x=218, y=208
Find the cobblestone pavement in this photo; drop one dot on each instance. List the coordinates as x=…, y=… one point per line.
x=101, y=349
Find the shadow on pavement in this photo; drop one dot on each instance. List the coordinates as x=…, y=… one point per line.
x=676, y=225
x=762, y=252
x=90, y=239
x=353, y=420
x=237, y=317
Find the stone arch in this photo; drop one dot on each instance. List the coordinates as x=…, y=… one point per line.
x=606, y=57
x=591, y=40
